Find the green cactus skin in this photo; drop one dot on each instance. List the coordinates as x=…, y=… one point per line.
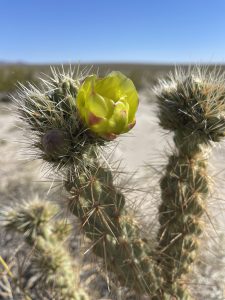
x=115, y=235
x=50, y=258
x=75, y=152
x=192, y=105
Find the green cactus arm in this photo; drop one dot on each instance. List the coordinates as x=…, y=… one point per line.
x=115, y=235
x=50, y=258
x=192, y=105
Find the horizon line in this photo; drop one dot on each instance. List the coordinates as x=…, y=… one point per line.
x=165, y=63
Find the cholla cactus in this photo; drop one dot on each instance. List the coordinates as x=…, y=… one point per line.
x=73, y=118
x=192, y=105
x=59, y=117
x=50, y=259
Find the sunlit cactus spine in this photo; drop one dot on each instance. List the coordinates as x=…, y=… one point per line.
x=50, y=258
x=71, y=118
x=192, y=105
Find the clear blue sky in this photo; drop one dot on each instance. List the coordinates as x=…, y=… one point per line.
x=112, y=31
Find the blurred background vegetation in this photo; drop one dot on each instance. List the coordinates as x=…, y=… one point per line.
x=143, y=75
x=11, y=74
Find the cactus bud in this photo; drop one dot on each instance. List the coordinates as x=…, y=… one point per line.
x=55, y=142
x=107, y=106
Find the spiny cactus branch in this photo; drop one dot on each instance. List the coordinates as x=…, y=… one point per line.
x=192, y=105
x=50, y=259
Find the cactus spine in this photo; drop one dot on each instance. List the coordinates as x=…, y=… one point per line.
x=50, y=258
x=192, y=106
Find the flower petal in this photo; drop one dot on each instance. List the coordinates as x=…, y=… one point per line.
x=119, y=119
x=118, y=87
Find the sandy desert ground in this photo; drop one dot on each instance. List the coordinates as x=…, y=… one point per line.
x=143, y=154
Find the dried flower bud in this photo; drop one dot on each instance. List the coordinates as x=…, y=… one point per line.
x=55, y=142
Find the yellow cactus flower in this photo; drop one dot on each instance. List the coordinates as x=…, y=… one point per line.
x=107, y=106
